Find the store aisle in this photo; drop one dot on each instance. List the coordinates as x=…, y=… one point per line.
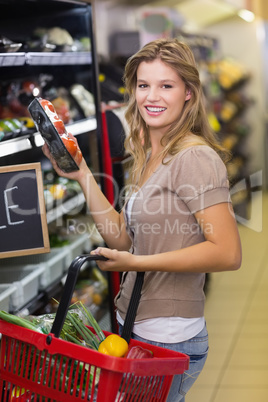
x=236, y=313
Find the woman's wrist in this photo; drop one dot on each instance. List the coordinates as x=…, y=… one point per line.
x=138, y=263
x=84, y=173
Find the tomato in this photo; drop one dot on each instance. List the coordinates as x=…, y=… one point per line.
x=59, y=125
x=62, y=108
x=45, y=103
x=70, y=144
x=78, y=157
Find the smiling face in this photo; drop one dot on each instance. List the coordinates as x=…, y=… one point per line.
x=160, y=94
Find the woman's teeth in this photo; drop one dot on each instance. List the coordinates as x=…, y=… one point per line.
x=155, y=109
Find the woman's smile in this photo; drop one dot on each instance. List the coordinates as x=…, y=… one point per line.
x=160, y=100
x=155, y=110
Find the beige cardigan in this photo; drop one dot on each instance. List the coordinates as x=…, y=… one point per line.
x=162, y=220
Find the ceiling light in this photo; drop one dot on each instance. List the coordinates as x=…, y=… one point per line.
x=246, y=15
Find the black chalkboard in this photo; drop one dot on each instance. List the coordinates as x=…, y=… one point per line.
x=23, y=224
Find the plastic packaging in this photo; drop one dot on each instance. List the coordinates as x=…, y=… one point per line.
x=45, y=120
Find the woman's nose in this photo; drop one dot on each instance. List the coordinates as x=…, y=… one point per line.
x=153, y=94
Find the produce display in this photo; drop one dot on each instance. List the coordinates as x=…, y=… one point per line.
x=8, y=46
x=57, y=39
x=62, y=145
x=71, y=104
x=91, y=290
x=230, y=72
x=49, y=56
x=11, y=127
x=84, y=98
x=47, y=40
x=59, y=191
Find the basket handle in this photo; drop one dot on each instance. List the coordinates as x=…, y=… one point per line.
x=68, y=290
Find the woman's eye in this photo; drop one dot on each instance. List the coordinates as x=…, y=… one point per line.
x=142, y=86
x=167, y=86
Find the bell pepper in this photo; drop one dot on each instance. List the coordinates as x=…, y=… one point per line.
x=113, y=345
x=137, y=352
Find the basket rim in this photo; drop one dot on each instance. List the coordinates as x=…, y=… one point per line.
x=165, y=362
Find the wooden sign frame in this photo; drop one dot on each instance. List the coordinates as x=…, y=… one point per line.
x=30, y=169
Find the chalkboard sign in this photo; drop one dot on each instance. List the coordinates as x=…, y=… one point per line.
x=23, y=224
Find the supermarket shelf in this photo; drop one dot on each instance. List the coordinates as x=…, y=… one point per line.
x=58, y=58
x=15, y=145
x=83, y=126
x=105, y=322
x=65, y=207
x=12, y=59
x=23, y=143
x=40, y=300
x=45, y=58
x=65, y=69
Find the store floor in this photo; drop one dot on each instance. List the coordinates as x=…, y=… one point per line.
x=237, y=321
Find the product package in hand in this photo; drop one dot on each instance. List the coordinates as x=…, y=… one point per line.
x=62, y=146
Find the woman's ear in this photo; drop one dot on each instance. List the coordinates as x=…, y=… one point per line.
x=188, y=95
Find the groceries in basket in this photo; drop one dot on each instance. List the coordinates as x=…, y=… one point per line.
x=36, y=364
x=75, y=329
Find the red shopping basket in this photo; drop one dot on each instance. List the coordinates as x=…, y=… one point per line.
x=39, y=367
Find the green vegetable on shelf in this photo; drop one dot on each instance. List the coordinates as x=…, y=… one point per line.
x=17, y=125
x=98, y=276
x=56, y=241
x=6, y=126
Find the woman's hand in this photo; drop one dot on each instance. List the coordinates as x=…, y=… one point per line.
x=73, y=175
x=221, y=250
x=109, y=222
x=118, y=261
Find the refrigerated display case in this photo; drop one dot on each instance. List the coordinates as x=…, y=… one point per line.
x=47, y=50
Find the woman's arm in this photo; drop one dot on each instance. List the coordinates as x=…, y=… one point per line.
x=109, y=222
x=221, y=250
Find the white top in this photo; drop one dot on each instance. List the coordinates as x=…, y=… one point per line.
x=164, y=329
x=167, y=329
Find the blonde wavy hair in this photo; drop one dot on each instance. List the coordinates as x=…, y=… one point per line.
x=193, y=119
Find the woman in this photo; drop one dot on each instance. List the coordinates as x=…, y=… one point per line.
x=178, y=222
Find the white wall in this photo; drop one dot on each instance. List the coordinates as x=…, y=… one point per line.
x=112, y=18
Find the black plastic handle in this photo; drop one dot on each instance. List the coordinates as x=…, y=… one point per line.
x=68, y=290
x=133, y=306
